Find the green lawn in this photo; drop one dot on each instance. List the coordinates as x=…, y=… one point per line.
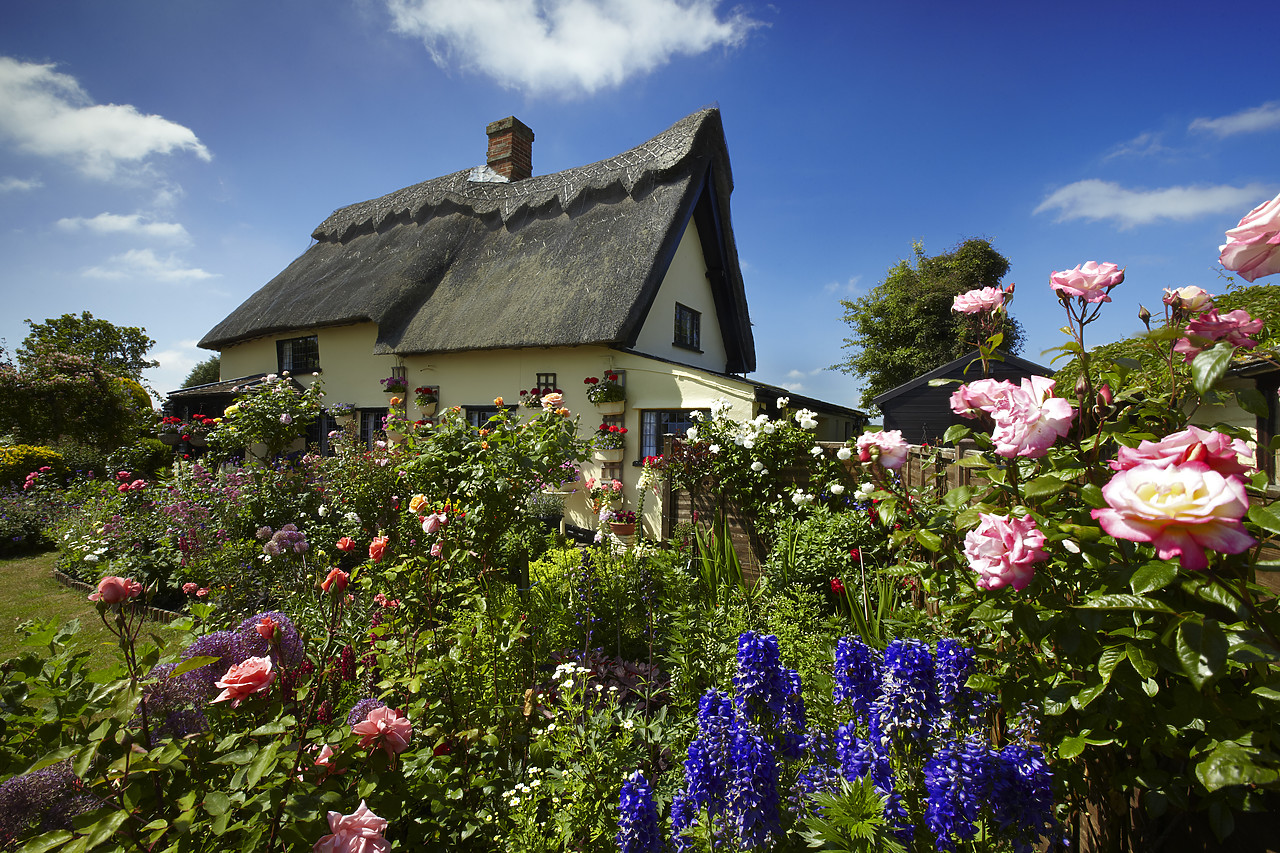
x=32, y=593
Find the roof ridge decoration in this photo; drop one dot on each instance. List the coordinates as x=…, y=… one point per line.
x=648, y=161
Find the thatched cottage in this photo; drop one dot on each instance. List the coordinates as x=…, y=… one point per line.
x=492, y=280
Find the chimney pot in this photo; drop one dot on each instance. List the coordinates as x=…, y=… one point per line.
x=510, y=148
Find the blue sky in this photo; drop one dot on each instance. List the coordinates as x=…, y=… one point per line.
x=160, y=161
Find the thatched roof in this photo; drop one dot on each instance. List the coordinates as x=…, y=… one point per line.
x=570, y=258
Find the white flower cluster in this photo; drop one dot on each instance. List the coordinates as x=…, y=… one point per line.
x=719, y=406
x=844, y=454
x=801, y=498
x=806, y=419
x=746, y=433
x=865, y=490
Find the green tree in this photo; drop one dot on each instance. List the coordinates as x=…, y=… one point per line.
x=209, y=370
x=120, y=350
x=905, y=326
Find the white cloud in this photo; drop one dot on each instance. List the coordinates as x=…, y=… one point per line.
x=795, y=387
x=143, y=264
x=133, y=224
x=1094, y=199
x=47, y=113
x=1252, y=120
x=566, y=46
x=1142, y=145
x=849, y=288
x=19, y=185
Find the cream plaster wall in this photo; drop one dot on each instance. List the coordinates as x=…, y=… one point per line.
x=685, y=282
x=351, y=374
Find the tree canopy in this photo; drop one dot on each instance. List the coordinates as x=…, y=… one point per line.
x=209, y=370
x=120, y=350
x=905, y=326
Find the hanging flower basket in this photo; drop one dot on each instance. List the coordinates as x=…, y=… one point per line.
x=198, y=441
x=170, y=438
x=427, y=409
x=609, y=455
x=612, y=407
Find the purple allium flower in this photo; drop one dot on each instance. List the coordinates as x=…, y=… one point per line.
x=290, y=643
x=46, y=799
x=230, y=647
x=857, y=675
x=362, y=709
x=173, y=704
x=638, y=830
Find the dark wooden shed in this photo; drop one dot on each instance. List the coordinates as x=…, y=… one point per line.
x=923, y=411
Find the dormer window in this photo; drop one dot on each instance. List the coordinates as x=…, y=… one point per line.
x=298, y=355
x=688, y=328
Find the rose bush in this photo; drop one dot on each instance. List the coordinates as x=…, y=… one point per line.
x=1253, y=247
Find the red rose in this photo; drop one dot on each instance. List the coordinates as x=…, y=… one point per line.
x=377, y=548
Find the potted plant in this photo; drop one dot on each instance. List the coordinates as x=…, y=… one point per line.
x=197, y=431
x=601, y=493
x=623, y=523
x=343, y=413
x=609, y=396
x=395, y=384
x=427, y=397
x=171, y=430
x=533, y=397
x=609, y=441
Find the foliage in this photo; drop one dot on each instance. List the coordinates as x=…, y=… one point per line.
x=274, y=414
x=605, y=390
x=207, y=371
x=119, y=350
x=905, y=326
x=19, y=460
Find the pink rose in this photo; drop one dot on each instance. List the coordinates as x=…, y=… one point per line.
x=360, y=832
x=980, y=396
x=202, y=592
x=1029, y=419
x=1235, y=327
x=1182, y=510
x=1091, y=282
x=113, y=590
x=554, y=400
x=1189, y=299
x=189, y=588
x=433, y=522
x=336, y=580
x=266, y=628
x=437, y=548
x=1220, y=452
x=245, y=679
x=892, y=448
x=1253, y=247
x=384, y=727
x=346, y=544
x=377, y=548
x=978, y=300
x=1004, y=550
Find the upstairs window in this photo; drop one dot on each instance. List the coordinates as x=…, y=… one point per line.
x=688, y=328
x=298, y=355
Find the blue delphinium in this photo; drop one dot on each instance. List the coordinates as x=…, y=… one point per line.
x=638, y=830
x=908, y=700
x=760, y=681
x=957, y=782
x=857, y=675
x=753, y=786
x=1022, y=794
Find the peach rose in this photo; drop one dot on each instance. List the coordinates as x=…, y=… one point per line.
x=416, y=503
x=346, y=544
x=359, y=832
x=266, y=628
x=1182, y=510
x=1253, y=247
x=245, y=679
x=336, y=580
x=553, y=400
x=377, y=548
x=386, y=728
x=113, y=590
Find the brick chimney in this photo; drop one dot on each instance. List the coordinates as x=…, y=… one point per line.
x=510, y=148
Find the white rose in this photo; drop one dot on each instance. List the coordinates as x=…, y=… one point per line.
x=844, y=454
x=836, y=489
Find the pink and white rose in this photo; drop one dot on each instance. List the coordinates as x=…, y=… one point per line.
x=1253, y=247
x=1234, y=327
x=386, y=728
x=1183, y=510
x=359, y=832
x=1190, y=299
x=1091, y=282
x=245, y=679
x=891, y=447
x=1228, y=456
x=980, y=396
x=978, y=300
x=1029, y=419
x=1004, y=550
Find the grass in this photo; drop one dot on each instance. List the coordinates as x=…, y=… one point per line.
x=33, y=594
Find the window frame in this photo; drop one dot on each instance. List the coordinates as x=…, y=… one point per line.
x=478, y=415
x=312, y=363
x=654, y=442
x=688, y=328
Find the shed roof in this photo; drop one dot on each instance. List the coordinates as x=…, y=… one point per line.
x=570, y=258
x=1028, y=367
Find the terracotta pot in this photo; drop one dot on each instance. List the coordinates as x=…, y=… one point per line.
x=621, y=529
x=615, y=408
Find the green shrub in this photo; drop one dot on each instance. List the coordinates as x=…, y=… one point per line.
x=144, y=458
x=19, y=460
